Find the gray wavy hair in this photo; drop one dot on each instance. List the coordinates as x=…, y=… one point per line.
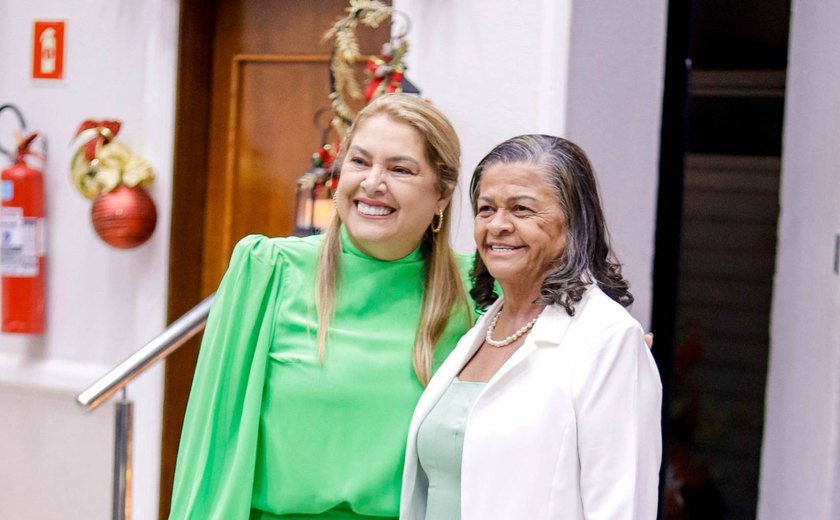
x=587, y=258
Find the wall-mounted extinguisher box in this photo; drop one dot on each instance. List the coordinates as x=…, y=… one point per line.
x=48, y=49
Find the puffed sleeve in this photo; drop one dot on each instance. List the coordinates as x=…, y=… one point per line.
x=618, y=416
x=216, y=457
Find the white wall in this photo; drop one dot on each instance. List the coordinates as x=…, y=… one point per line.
x=490, y=68
x=616, y=77
x=103, y=303
x=800, y=465
x=590, y=71
x=54, y=457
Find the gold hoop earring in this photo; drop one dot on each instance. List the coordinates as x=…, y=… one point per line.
x=436, y=227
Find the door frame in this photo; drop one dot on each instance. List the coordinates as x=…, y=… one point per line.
x=672, y=145
x=186, y=242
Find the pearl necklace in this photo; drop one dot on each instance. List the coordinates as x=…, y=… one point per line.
x=510, y=339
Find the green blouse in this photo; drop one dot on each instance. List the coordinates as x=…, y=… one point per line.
x=270, y=432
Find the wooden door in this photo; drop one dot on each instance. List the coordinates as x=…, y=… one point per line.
x=252, y=76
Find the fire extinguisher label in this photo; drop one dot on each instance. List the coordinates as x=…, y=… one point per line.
x=21, y=243
x=7, y=192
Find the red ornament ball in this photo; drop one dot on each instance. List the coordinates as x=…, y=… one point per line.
x=125, y=217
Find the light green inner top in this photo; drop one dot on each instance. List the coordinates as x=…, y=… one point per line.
x=440, y=444
x=270, y=432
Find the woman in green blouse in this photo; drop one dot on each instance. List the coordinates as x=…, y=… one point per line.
x=317, y=348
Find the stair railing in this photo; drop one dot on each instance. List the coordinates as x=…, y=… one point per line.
x=178, y=333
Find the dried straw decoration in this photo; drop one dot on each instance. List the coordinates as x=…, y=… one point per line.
x=369, y=13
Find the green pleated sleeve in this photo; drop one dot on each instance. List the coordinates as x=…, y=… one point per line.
x=215, y=465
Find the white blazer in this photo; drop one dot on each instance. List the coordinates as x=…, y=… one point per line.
x=568, y=428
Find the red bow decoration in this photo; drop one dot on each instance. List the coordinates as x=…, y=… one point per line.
x=106, y=130
x=386, y=71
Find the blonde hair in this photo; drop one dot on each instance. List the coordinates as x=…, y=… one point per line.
x=443, y=288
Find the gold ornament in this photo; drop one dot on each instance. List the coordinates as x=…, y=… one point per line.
x=103, y=163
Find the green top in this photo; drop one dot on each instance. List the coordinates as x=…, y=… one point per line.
x=440, y=445
x=267, y=426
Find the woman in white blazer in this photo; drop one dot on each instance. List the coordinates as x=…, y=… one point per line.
x=549, y=408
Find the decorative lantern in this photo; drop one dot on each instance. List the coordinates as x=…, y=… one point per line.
x=313, y=194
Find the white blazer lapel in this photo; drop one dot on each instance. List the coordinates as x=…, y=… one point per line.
x=551, y=326
x=549, y=329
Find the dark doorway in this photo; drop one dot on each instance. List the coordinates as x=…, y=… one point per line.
x=716, y=246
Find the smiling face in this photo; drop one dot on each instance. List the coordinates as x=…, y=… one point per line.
x=520, y=227
x=388, y=191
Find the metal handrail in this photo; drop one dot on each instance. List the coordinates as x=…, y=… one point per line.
x=118, y=377
x=159, y=348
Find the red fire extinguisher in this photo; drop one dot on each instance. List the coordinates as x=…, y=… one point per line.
x=22, y=241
